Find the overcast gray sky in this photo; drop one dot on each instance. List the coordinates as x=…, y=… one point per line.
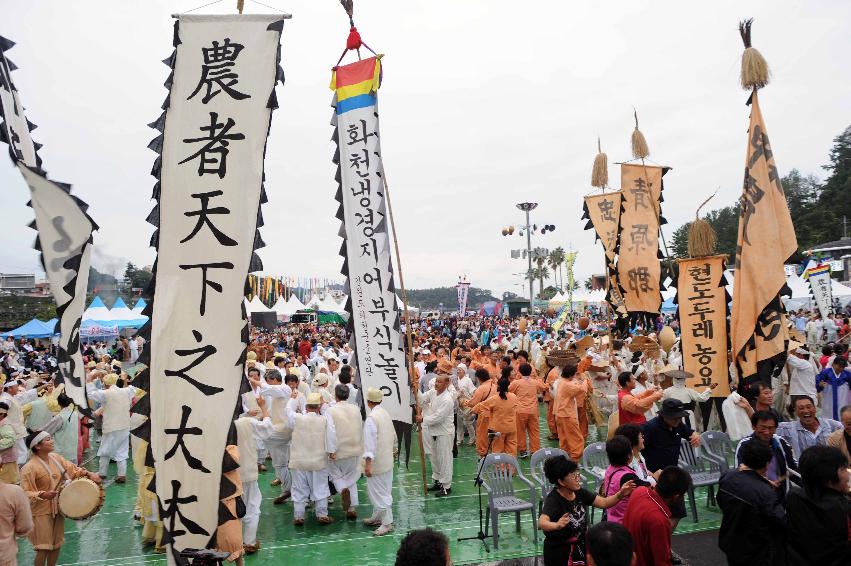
x=484, y=104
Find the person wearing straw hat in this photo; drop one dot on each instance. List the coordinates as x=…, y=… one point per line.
x=344, y=469
x=314, y=442
x=438, y=417
x=379, y=441
x=41, y=478
x=687, y=395
x=115, y=409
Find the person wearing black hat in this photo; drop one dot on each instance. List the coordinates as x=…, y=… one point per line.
x=662, y=436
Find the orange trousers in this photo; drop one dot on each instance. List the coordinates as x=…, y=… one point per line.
x=570, y=437
x=528, y=423
x=506, y=443
x=551, y=419
x=482, y=423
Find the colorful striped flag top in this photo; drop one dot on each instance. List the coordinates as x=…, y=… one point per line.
x=356, y=84
x=817, y=270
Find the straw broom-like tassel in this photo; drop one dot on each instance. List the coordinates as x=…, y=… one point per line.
x=755, y=73
x=639, y=144
x=600, y=171
x=701, y=235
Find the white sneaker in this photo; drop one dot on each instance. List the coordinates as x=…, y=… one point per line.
x=382, y=530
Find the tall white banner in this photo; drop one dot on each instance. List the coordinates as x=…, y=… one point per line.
x=819, y=278
x=374, y=314
x=463, y=288
x=64, y=233
x=210, y=188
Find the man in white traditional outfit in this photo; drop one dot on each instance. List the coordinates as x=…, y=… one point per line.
x=687, y=395
x=379, y=443
x=314, y=441
x=344, y=468
x=115, y=409
x=16, y=399
x=276, y=396
x=438, y=411
x=250, y=429
x=466, y=419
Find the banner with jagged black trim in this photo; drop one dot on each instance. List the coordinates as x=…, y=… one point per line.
x=64, y=240
x=209, y=191
x=374, y=322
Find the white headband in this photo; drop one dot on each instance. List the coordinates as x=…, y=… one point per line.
x=38, y=438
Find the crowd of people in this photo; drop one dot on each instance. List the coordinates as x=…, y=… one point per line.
x=785, y=496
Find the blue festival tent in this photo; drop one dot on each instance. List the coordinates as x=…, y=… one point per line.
x=33, y=329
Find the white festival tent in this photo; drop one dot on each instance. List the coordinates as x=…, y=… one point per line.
x=801, y=296
x=328, y=304
x=97, y=311
x=294, y=303
x=124, y=317
x=285, y=309
x=256, y=305
x=314, y=302
x=411, y=308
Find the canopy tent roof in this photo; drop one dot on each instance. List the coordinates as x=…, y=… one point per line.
x=313, y=303
x=140, y=304
x=288, y=307
x=33, y=329
x=294, y=303
x=256, y=305
x=411, y=308
x=328, y=304
x=97, y=310
x=119, y=311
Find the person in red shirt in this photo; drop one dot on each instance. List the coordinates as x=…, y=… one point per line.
x=648, y=516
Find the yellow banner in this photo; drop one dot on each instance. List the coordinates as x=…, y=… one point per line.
x=638, y=264
x=604, y=211
x=766, y=240
x=702, y=304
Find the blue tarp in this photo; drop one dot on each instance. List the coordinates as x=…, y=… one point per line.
x=33, y=329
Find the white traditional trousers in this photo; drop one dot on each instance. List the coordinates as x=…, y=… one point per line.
x=310, y=486
x=344, y=474
x=252, y=497
x=280, y=451
x=463, y=422
x=441, y=459
x=114, y=445
x=379, y=488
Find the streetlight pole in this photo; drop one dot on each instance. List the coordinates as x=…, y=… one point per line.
x=527, y=207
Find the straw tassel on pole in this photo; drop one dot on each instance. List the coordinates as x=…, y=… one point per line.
x=755, y=73
x=701, y=235
x=600, y=171
x=639, y=144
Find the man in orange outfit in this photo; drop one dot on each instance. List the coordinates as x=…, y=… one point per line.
x=526, y=389
x=631, y=408
x=550, y=400
x=486, y=388
x=571, y=391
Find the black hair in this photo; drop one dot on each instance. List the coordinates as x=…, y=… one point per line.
x=30, y=437
x=673, y=481
x=341, y=391
x=619, y=450
x=525, y=370
x=4, y=405
x=253, y=369
x=636, y=356
x=617, y=344
x=431, y=366
x=793, y=406
x=506, y=359
x=763, y=416
x=272, y=374
x=827, y=350
x=483, y=374
x=624, y=377
x=755, y=455
x=820, y=465
x=279, y=359
x=345, y=376
x=630, y=431
x=423, y=547
x=290, y=378
x=64, y=400
x=610, y=544
x=505, y=373
x=522, y=354
x=843, y=410
x=568, y=371
x=502, y=387
x=840, y=361
x=558, y=467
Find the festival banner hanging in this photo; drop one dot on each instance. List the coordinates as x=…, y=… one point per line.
x=463, y=288
x=64, y=233
x=702, y=304
x=209, y=189
x=603, y=212
x=819, y=278
x=374, y=314
x=638, y=267
x=766, y=240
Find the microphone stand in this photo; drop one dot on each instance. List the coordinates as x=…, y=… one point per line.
x=478, y=481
